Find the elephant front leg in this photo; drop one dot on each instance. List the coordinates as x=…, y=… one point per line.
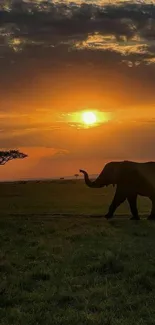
x=118, y=199
x=152, y=214
x=133, y=206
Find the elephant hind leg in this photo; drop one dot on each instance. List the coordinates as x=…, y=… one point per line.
x=132, y=200
x=151, y=217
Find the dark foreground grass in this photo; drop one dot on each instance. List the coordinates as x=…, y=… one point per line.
x=73, y=270
x=76, y=271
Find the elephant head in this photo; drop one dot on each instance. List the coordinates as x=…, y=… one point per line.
x=109, y=175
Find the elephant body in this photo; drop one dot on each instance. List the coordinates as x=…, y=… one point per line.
x=131, y=179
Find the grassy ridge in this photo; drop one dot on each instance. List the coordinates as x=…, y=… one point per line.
x=73, y=270
x=60, y=197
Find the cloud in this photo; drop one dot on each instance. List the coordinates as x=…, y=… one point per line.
x=110, y=43
x=41, y=37
x=28, y=25
x=44, y=152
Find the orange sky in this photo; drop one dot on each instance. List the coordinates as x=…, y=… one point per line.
x=80, y=60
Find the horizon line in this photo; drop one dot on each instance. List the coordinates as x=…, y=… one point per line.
x=43, y=178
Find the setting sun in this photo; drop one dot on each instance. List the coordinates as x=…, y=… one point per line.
x=89, y=118
x=85, y=119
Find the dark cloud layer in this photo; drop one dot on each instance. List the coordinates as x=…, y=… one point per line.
x=38, y=37
x=49, y=27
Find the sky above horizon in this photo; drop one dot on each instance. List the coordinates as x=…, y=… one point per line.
x=60, y=58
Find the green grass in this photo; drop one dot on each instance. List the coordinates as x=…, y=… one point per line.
x=75, y=269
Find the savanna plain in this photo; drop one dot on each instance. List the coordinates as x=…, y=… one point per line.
x=62, y=263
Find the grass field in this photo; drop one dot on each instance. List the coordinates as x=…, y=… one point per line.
x=61, y=264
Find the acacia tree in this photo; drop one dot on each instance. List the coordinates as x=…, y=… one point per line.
x=76, y=175
x=5, y=156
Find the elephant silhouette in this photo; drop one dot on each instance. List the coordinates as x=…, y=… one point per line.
x=131, y=179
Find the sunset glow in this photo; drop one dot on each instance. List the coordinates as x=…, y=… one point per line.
x=89, y=118
x=75, y=91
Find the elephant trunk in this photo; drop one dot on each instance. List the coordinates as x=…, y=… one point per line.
x=93, y=184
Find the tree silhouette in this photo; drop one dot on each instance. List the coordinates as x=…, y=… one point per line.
x=5, y=156
x=76, y=175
